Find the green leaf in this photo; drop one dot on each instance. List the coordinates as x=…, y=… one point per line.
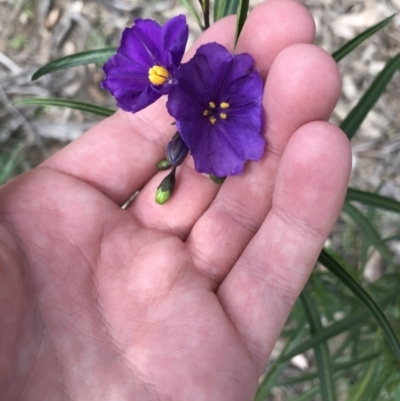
x=189, y=6
x=387, y=239
x=327, y=259
x=219, y=9
x=354, y=43
x=322, y=355
x=373, y=200
x=99, y=56
x=222, y=8
x=341, y=326
x=90, y=108
x=242, y=12
x=269, y=380
x=370, y=386
x=336, y=367
x=357, y=115
x=232, y=7
x=9, y=165
x=369, y=231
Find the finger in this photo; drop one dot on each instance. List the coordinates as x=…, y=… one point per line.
x=269, y=28
x=310, y=187
x=302, y=86
x=119, y=155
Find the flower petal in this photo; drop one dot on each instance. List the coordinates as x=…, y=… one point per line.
x=128, y=83
x=220, y=137
x=174, y=37
x=204, y=73
x=145, y=45
x=142, y=43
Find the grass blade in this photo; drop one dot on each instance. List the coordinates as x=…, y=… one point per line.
x=269, y=381
x=369, y=231
x=354, y=43
x=242, y=12
x=9, y=165
x=327, y=259
x=356, y=116
x=322, y=355
x=336, y=367
x=231, y=7
x=341, y=326
x=370, y=386
x=373, y=200
x=189, y=6
x=394, y=237
x=99, y=56
x=219, y=9
x=90, y=108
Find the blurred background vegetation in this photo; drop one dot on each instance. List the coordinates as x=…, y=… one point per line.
x=341, y=341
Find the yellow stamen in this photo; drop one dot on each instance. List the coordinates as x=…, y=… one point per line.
x=223, y=116
x=212, y=105
x=205, y=113
x=158, y=75
x=224, y=105
x=213, y=119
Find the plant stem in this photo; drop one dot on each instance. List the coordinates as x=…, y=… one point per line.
x=205, y=6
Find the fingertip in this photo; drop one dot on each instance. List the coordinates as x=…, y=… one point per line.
x=313, y=176
x=223, y=32
x=303, y=85
x=272, y=26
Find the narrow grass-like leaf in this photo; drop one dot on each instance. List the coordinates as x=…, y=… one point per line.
x=394, y=237
x=205, y=7
x=352, y=335
x=341, y=326
x=312, y=391
x=231, y=7
x=370, y=386
x=219, y=9
x=322, y=355
x=336, y=367
x=327, y=259
x=354, y=43
x=99, y=56
x=90, y=108
x=356, y=116
x=374, y=200
x=368, y=230
x=242, y=12
x=365, y=243
x=269, y=380
x=9, y=165
x=189, y=6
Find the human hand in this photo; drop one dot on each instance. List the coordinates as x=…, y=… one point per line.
x=185, y=300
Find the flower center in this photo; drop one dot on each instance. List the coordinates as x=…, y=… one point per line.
x=158, y=75
x=213, y=111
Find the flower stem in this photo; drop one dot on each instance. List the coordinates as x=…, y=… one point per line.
x=205, y=6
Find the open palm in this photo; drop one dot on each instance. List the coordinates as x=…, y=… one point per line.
x=185, y=300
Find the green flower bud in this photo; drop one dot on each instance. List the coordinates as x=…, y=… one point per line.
x=217, y=180
x=164, y=164
x=165, y=189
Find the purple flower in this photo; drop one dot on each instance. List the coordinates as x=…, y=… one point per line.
x=218, y=110
x=146, y=63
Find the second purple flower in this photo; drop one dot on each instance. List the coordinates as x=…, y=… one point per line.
x=217, y=105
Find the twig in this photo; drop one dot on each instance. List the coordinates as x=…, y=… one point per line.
x=32, y=135
x=8, y=63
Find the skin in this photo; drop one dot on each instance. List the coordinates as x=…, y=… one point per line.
x=185, y=300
